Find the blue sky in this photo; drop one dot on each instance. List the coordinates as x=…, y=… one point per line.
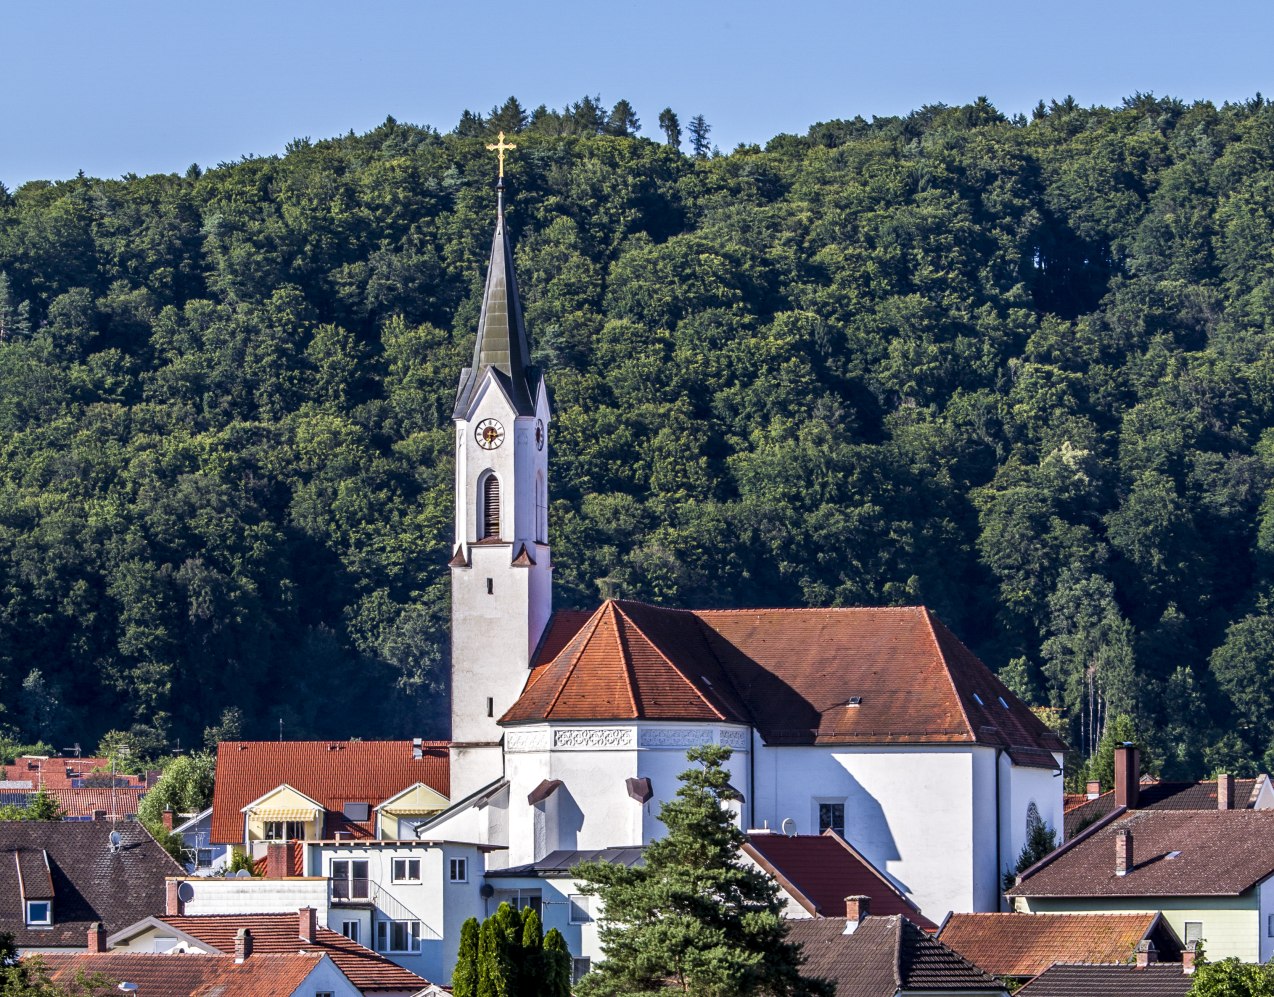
x=146, y=86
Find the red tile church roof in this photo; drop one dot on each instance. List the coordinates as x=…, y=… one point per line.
x=332, y=773
x=792, y=673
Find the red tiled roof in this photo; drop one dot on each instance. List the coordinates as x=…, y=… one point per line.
x=821, y=870
x=1027, y=944
x=789, y=672
x=883, y=957
x=61, y=773
x=121, y=802
x=161, y=975
x=1175, y=853
x=332, y=773
x=280, y=933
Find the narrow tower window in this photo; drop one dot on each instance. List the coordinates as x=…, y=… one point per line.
x=490, y=507
x=541, y=510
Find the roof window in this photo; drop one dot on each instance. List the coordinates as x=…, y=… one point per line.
x=978, y=699
x=854, y=701
x=1002, y=702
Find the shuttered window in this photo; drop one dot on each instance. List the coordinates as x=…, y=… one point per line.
x=491, y=507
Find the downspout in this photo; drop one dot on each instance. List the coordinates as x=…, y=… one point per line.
x=999, y=893
x=751, y=777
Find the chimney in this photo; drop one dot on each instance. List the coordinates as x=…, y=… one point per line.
x=1225, y=792
x=174, y=906
x=1127, y=775
x=1146, y=953
x=242, y=944
x=1187, y=958
x=96, y=937
x=857, y=908
x=308, y=918
x=1123, y=851
x=1092, y=789
x=168, y=819
x=276, y=859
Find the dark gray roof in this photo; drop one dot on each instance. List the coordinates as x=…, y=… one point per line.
x=884, y=956
x=560, y=862
x=90, y=882
x=501, y=345
x=1164, y=979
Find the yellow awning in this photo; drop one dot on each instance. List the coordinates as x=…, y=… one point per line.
x=270, y=813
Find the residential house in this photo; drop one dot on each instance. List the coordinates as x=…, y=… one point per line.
x=57, y=878
x=314, y=790
x=816, y=872
x=371, y=974
x=1022, y=946
x=205, y=857
x=886, y=957
x=1211, y=873
x=240, y=971
x=1144, y=978
x=85, y=788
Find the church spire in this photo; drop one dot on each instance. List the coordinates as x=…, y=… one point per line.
x=501, y=344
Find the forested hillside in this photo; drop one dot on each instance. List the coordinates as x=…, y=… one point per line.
x=1021, y=371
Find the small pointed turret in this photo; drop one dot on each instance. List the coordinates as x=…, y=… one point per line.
x=501, y=344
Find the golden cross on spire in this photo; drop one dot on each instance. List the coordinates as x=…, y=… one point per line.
x=499, y=148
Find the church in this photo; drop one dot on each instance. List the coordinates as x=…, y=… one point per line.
x=569, y=727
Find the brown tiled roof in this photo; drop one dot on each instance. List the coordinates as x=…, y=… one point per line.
x=1027, y=944
x=1175, y=853
x=280, y=933
x=332, y=773
x=883, y=956
x=1163, y=796
x=161, y=975
x=789, y=672
x=821, y=870
x=121, y=802
x=1155, y=980
x=90, y=882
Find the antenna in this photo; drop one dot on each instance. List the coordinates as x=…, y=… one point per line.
x=280, y=728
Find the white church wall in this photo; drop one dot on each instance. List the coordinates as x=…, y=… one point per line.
x=1026, y=786
x=909, y=811
x=592, y=808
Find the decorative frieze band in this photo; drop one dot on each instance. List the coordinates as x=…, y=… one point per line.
x=526, y=740
x=593, y=737
x=691, y=737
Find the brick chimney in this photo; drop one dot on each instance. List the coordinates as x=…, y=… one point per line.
x=174, y=906
x=857, y=909
x=1092, y=789
x=1123, y=851
x=1127, y=775
x=1225, y=792
x=1146, y=953
x=168, y=819
x=242, y=944
x=96, y=937
x=1187, y=958
x=308, y=924
x=276, y=859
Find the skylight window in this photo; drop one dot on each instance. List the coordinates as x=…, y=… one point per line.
x=978, y=699
x=1002, y=702
x=1172, y=855
x=855, y=701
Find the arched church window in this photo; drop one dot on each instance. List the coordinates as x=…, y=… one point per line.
x=490, y=519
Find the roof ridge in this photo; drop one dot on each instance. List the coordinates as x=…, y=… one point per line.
x=583, y=639
x=671, y=664
x=899, y=942
x=625, y=655
x=946, y=670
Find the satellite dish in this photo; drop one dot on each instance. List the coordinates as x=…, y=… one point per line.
x=116, y=840
x=788, y=827
x=185, y=893
x=128, y=988
x=243, y=874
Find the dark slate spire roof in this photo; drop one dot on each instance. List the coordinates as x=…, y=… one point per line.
x=501, y=343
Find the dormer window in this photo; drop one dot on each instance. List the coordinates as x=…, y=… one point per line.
x=39, y=913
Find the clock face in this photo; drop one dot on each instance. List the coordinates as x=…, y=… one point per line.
x=539, y=434
x=489, y=434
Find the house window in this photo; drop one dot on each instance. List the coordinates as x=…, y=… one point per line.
x=349, y=879
x=398, y=936
x=532, y=900
x=406, y=870
x=39, y=912
x=350, y=929
x=203, y=858
x=831, y=816
x=284, y=830
x=1194, y=932
x=580, y=913
x=322, y=993
x=490, y=507
x=579, y=967
x=458, y=871
x=1269, y=930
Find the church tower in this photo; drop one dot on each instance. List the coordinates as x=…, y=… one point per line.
x=501, y=595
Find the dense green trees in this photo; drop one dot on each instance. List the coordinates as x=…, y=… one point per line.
x=509, y=955
x=1021, y=371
